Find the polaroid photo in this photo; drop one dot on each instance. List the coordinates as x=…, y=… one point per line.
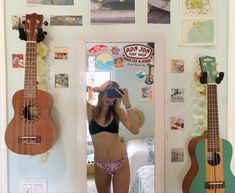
x=177, y=95
x=177, y=123
x=177, y=66
x=61, y=81
x=61, y=53
x=18, y=60
x=177, y=155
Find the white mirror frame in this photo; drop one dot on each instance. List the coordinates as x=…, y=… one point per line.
x=158, y=39
x=231, y=80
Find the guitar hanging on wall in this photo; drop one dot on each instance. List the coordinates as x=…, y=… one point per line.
x=31, y=131
x=210, y=155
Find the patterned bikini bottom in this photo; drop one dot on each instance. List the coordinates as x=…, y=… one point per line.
x=111, y=168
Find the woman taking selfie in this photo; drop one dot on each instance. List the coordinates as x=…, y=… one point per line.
x=110, y=156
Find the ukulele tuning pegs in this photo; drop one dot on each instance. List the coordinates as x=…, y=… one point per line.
x=203, y=78
x=45, y=33
x=40, y=35
x=220, y=77
x=46, y=23
x=22, y=34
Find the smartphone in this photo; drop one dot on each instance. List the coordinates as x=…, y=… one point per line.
x=112, y=93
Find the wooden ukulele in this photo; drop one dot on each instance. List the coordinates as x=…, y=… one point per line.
x=149, y=76
x=31, y=131
x=210, y=155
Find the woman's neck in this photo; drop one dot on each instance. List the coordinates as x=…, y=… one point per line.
x=105, y=108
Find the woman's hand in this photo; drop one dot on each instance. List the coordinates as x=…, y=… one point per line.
x=92, y=89
x=90, y=95
x=125, y=96
x=106, y=85
x=117, y=104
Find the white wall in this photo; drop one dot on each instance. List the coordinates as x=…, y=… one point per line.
x=62, y=167
x=3, y=149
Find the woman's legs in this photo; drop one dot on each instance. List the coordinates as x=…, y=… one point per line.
x=102, y=180
x=121, y=179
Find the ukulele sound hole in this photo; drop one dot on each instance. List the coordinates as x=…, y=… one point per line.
x=213, y=158
x=30, y=112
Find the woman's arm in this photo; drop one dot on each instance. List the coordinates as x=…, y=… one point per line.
x=128, y=118
x=90, y=107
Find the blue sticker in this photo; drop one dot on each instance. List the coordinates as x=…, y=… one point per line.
x=140, y=74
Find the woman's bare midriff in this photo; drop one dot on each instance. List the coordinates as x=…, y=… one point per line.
x=108, y=147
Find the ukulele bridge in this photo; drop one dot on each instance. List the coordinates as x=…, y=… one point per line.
x=29, y=140
x=214, y=185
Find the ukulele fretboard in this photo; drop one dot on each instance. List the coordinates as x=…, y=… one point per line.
x=30, y=81
x=213, y=122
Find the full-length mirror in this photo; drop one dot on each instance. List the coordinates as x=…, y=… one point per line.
x=125, y=117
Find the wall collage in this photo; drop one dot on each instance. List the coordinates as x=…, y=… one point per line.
x=197, y=29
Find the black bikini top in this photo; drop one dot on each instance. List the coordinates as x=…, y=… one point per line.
x=95, y=128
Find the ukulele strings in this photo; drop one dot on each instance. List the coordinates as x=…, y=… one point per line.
x=25, y=110
x=216, y=133
x=34, y=82
x=27, y=81
x=211, y=132
x=212, y=141
x=217, y=140
x=30, y=95
x=213, y=124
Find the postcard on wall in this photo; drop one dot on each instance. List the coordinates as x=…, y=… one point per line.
x=197, y=26
x=18, y=60
x=17, y=22
x=65, y=20
x=197, y=8
x=177, y=66
x=177, y=123
x=197, y=32
x=49, y=2
x=146, y=93
x=61, y=81
x=61, y=53
x=159, y=11
x=177, y=95
x=177, y=155
x=112, y=12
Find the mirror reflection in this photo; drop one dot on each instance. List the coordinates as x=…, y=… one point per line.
x=120, y=116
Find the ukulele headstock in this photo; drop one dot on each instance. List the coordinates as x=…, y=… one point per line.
x=209, y=74
x=33, y=28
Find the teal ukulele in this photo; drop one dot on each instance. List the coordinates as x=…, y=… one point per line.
x=210, y=155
